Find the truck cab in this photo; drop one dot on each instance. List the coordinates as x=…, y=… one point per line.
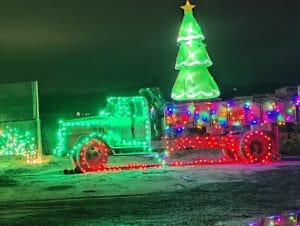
x=123, y=127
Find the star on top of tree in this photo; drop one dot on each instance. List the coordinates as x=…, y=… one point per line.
x=188, y=7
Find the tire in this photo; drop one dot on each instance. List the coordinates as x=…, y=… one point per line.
x=92, y=156
x=256, y=147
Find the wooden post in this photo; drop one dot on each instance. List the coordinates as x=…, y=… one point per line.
x=36, y=116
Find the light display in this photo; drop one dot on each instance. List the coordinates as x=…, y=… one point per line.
x=291, y=219
x=124, y=123
x=205, y=125
x=93, y=157
x=243, y=130
x=14, y=142
x=194, y=81
x=198, y=162
x=279, y=112
x=256, y=147
x=253, y=147
x=181, y=118
x=243, y=113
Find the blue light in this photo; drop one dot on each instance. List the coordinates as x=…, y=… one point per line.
x=178, y=130
x=223, y=123
x=254, y=122
x=246, y=106
x=273, y=114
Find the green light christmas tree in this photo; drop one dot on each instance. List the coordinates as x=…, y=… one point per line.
x=194, y=81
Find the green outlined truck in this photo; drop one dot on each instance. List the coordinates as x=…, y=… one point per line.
x=144, y=131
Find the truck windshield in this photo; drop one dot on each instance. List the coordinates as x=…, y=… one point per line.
x=108, y=110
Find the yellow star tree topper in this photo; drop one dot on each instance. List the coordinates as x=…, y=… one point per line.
x=188, y=7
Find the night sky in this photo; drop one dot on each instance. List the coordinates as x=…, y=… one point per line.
x=103, y=46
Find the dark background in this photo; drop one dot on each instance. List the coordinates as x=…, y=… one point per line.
x=81, y=51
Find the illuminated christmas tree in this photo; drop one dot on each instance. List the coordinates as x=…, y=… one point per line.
x=194, y=81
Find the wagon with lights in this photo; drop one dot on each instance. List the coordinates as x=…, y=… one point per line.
x=144, y=131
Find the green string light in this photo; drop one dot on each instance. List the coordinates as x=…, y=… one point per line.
x=123, y=123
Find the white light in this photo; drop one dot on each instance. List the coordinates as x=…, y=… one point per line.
x=189, y=43
x=189, y=30
x=187, y=64
x=190, y=37
x=191, y=55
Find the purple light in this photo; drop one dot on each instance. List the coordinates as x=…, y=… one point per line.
x=298, y=101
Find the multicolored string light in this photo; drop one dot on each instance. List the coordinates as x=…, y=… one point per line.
x=218, y=114
x=15, y=142
x=291, y=219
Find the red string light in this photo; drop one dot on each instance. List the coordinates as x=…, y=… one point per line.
x=249, y=148
x=93, y=156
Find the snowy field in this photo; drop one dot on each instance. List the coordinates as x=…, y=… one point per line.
x=200, y=195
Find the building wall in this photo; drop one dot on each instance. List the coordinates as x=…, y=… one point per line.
x=19, y=108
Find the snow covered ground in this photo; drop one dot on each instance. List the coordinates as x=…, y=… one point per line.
x=45, y=184
x=47, y=181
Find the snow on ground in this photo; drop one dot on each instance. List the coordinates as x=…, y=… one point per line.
x=201, y=195
x=21, y=182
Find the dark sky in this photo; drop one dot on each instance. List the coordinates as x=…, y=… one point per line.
x=84, y=45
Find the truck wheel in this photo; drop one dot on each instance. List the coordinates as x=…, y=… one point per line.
x=256, y=147
x=92, y=156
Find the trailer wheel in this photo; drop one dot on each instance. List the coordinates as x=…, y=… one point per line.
x=92, y=156
x=256, y=147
